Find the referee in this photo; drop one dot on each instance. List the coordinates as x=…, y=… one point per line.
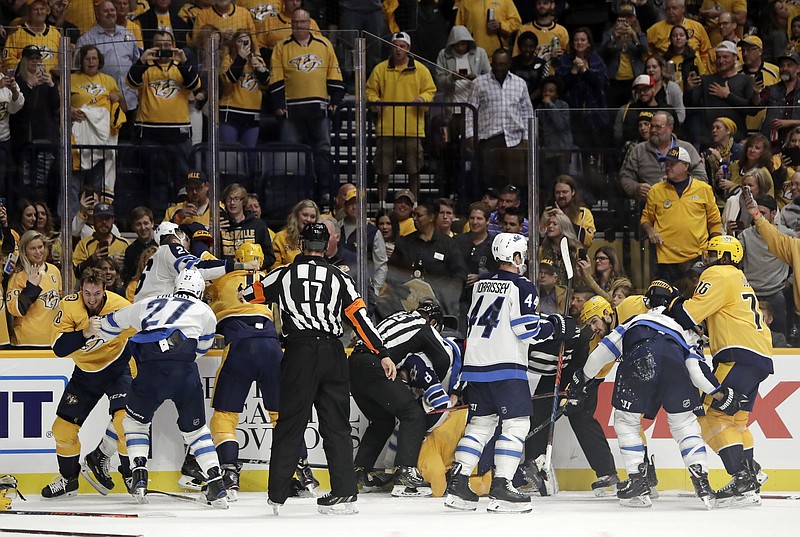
x=312, y=295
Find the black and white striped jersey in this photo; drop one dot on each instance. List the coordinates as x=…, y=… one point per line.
x=313, y=295
x=406, y=332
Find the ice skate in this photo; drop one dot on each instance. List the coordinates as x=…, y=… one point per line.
x=306, y=477
x=534, y=476
x=230, y=478
x=459, y=495
x=740, y=492
x=96, y=469
x=337, y=505
x=506, y=499
x=61, y=488
x=139, y=480
x=192, y=477
x=652, y=477
x=372, y=481
x=409, y=482
x=635, y=492
x=276, y=507
x=702, y=488
x=761, y=476
x=605, y=486
x=215, y=492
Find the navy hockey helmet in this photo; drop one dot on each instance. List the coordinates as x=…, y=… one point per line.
x=315, y=237
x=433, y=311
x=660, y=293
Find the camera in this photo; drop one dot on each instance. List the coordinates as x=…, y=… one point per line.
x=164, y=53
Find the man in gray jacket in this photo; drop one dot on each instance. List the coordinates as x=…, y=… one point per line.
x=459, y=63
x=644, y=165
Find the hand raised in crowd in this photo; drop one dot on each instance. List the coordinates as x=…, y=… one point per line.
x=88, y=201
x=35, y=273
x=43, y=77
x=179, y=55
x=758, y=85
x=556, y=52
x=189, y=210
x=243, y=47
x=7, y=82
x=101, y=251
x=584, y=268
x=493, y=26
x=693, y=80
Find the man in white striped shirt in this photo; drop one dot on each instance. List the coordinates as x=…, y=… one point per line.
x=504, y=107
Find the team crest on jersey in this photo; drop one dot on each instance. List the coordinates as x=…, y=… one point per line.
x=165, y=89
x=261, y=12
x=667, y=204
x=71, y=399
x=50, y=299
x=307, y=62
x=93, y=89
x=46, y=52
x=248, y=82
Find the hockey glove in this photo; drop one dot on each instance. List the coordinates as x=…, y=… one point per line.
x=731, y=402
x=576, y=393
x=564, y=328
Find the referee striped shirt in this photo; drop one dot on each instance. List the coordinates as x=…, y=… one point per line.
x=406, y=332
x=312, y=295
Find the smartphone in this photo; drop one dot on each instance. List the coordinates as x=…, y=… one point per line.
x=246, y=41
x=793, y=154
x=582, y=255
x=102, y=244
x=10, y=73
x=164, y=53
x=463, y=72
x=2, y=202
x=759, y=76
x=41, y=68
x=748, y=194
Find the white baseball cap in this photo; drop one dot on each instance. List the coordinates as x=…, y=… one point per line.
x=402, y=36
x=727, y=46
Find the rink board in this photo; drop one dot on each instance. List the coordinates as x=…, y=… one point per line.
x=31, y=384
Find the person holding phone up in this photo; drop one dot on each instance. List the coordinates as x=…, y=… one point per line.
x=103, y=243
x=781, y=100
x=245, y=76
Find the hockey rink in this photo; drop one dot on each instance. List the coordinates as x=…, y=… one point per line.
x=569, y=514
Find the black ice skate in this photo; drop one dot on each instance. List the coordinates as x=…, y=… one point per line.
x=192, y=477
x=635, y=492
x=605, y=486
x=506, y=499
x=230, y=478
x=139, y=480
x=702, y=488
x=372, y=481
x=459, y=495
x=742, y=491
x=337, y=505
x=306, y=477
x=215, y=492
x=61, y=488
x=96, y=470
x=409, y=482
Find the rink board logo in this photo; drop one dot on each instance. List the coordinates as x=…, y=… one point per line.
x=27, y=408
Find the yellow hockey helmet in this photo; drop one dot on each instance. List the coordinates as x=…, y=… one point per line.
x=596, y=305
x=726, y=243
x=249, y=251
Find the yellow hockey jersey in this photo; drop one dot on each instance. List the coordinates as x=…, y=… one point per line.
x=88, y=246
x=48, y=42
x=235, y=19
x=164, y=96
x=30, y=324
x=725, y=300
x=276, y=28
x=241, y=89
x=224, y=296
x=72, y=316
x=94, y=90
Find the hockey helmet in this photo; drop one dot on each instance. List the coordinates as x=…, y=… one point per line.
x=250, y=251
x=167, y=228
x=190, y=282
x=315, y=237
x=721, y=244
x=660, y=293
x=506, y=245
x=596, y=305
x=433, y=311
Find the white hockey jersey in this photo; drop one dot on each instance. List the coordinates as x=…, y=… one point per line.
x=502, y=321
x=157, y=318
x=610, y=347
x=158, y=277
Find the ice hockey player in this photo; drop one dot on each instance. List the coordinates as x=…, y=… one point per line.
x=502, y=321
x=173, y=331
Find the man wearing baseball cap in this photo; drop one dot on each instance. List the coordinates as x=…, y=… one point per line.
x=626, y=126
x=400, y=129
x=725, y=89
x=103, y=243
x=782, y=100
x=679, y=217
x=195, y=208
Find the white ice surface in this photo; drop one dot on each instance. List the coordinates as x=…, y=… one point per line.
x=569, y=514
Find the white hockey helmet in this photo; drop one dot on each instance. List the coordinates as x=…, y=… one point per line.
x=190, y=282
x=167, y=228
x=506, y=245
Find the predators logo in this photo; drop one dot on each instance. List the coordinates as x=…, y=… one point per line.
x=165, y=89
x=50, y=299
x=93, y=89
x=261, y=12
x=248, y=82
x=307, y=62
x=46, y=52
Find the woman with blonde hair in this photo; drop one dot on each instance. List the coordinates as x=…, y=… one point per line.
x=34, y=291
x=607, y=268
x=735, y=216
x=286, y=243
x=559, y=226
x=244, y=76
x=621, y=288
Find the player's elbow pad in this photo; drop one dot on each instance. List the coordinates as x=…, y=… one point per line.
x=678, y=312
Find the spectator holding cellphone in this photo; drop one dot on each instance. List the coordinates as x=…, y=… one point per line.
x=102, y=243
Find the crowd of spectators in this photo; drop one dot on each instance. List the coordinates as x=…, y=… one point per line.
x=614, y=87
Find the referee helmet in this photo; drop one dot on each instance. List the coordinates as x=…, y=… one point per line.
x=432, y=311
x=315, y=237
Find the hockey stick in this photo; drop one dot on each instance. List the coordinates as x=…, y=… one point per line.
x=266, y=461
x=191, y=499
x=545, y=396
x=545, y=423
x=548, y=454
x=68, y=533
x=153, y=514
x=768, y=496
